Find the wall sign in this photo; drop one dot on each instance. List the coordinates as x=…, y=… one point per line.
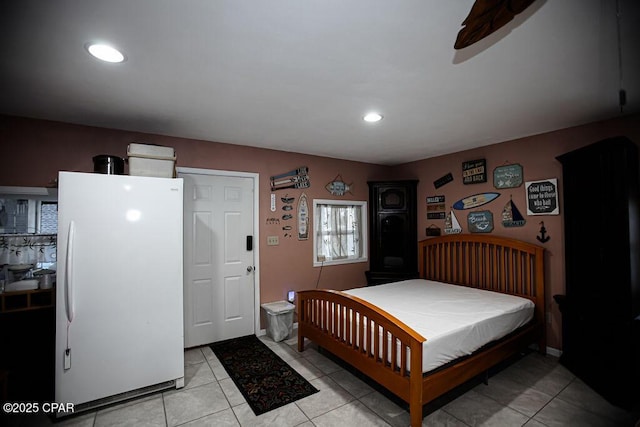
x=433, y=230
x=474, y=171
x=480, y=222
x=443, y=180
x=542, y=197
x=507, y=176
x=435, y=207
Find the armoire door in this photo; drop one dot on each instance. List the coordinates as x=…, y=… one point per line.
x=601, y=308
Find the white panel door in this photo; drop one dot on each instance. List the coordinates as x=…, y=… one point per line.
x=219, y=277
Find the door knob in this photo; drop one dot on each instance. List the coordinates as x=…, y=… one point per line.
x=250, y=269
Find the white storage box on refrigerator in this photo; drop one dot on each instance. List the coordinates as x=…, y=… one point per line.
x=151, y=160
x=279, y=319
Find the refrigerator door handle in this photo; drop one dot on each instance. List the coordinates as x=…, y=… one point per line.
x=68, y=277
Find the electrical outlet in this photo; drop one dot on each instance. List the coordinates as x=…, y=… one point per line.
x=272, y=241
x=548, y=316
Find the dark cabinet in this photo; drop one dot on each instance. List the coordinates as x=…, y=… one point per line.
x=393, y=231
x=601, y=306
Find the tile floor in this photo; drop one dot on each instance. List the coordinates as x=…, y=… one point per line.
x=533, y=391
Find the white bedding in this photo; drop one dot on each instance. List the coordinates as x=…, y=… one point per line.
x=455, y=320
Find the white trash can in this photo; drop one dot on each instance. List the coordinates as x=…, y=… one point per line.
x=279, y=319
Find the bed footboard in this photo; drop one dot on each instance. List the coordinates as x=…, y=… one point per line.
x=366, y=337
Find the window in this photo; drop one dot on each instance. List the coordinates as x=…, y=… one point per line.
x=28, y=216
x=340, y=232
x=28, y=226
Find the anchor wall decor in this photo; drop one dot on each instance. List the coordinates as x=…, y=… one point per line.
x=543, y=234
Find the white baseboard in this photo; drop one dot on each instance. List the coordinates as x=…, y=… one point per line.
x=554, y=352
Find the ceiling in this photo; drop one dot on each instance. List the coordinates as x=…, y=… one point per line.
x=298, y=75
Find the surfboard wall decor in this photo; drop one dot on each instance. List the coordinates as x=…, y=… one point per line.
x=474, y=201
x=303, y=217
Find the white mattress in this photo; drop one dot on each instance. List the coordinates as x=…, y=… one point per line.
x=455, y=320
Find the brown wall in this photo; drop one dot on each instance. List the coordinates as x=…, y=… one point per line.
x=34, y=150
x=537, y=156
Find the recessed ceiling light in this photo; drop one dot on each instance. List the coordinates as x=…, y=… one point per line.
x=372, y=117
x=105, y=52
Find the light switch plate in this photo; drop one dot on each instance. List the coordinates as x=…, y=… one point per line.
x=272, y=241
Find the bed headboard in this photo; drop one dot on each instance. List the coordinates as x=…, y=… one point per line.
x=484, y=261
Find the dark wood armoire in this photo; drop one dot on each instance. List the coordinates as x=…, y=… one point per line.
x=601, y=305
x=393, y=236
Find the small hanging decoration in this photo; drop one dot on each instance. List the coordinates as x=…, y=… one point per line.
x=433, y=230
x=338, y=187
x=543, y=234
x=511, y=216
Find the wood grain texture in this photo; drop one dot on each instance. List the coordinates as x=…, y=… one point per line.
x=486, y=17
x=332, y=318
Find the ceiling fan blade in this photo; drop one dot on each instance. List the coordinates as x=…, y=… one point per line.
x=487, y=16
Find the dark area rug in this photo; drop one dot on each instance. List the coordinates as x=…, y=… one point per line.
x=265, y=380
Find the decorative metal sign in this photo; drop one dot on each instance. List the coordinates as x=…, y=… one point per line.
x=480, y=222
x=507, y=176
x=338, y=187
x=474, y=171
x=542, y=197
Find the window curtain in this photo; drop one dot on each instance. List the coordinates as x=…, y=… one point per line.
x=27, y=248
x=338, y=233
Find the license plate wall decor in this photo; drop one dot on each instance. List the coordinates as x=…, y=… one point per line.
x=435, y=207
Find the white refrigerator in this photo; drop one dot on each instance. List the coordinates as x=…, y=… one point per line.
x=119, y=310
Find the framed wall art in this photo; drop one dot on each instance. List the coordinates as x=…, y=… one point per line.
x=474, y=171
x=542, y=197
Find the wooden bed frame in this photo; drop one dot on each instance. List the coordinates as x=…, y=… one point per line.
x=509, y=266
